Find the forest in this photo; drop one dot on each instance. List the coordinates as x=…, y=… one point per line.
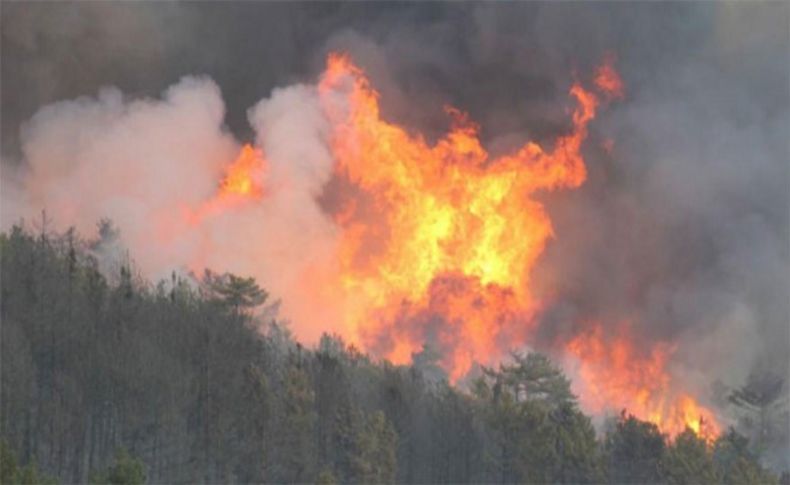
x=109, y=378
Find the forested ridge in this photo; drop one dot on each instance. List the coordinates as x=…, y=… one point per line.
x=108, y=378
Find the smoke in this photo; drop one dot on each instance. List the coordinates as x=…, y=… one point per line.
x=146, y=163
x=682, y=228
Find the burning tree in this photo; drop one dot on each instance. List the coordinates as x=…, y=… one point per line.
x=237, y=293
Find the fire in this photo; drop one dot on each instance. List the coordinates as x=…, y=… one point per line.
x=443, y=232
x=436, y=243
x=241, y=184
x=243, y=176
x=607, y=79
x=613, y=373
x=243, y=181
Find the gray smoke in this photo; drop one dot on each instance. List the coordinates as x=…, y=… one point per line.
x=683, y=228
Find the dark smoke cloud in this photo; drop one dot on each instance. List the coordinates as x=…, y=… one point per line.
x=506, y=64
x=683, y=228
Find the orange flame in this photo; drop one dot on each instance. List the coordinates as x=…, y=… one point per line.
x=241, y=183
x=608, y=80
x=612, y=373
x=444, y=231
x=437, y=243
x=243, y=176
x=243, y=180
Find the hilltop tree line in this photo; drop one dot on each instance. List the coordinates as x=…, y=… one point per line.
x=107, y=378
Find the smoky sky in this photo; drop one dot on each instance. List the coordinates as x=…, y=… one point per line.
x=681, y=228
x=507, y=64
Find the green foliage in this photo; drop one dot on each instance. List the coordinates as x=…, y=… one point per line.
x=12, y=473
x=532, y=377
x=8, y=465
x=126, y=470
x=255, y=421
x=295, y=444
x=373, y=459
x=538, y=432
x=688, y=460
x=578, y=457
x=634, y=450
x=86, y=368
x=736, y=464
x=326, y=477
x=235, y=292
x=93, y=359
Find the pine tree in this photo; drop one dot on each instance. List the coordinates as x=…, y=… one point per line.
x=736, y=464
x=634, y=451
x=126, y=470
x=297, y=451
x=688, y=460
x=374, y=457
x=235, y=292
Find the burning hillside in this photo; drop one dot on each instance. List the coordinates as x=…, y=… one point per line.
x=456, y=214
x=370, y=231
x=438, y=243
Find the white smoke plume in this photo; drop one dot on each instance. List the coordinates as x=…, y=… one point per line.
x=684, y=227
x=143, y=164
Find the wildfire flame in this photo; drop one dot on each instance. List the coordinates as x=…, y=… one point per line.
x=613, y=371
x=607, y=79
x=437, y=243
x=243, y=181
x=243, y=176
x=446, y=232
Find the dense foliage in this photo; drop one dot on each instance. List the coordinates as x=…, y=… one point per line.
x=108, y=379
